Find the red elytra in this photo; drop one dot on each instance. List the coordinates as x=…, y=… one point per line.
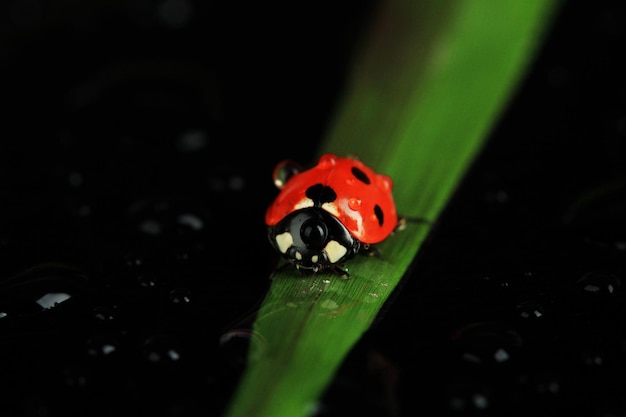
x=364, y=203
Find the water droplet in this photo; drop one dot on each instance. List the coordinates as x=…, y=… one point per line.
x=75, y=179
x=354, y=203
x=529, y=310
x=52, y=299
x=192, y=141
x=150, y=227
x=161, y=349
x=497, y=196
x=101, y=346
x=83, y=210
x=162, y=219
x=191, y=220
x=597, y=215
x=327, y=161
x=134, y=261
x=104, y=314
x=468, y=395
x=501, y=355
x=236, y=183
x=40, y=288
x=599, y=283
x=547, y=384
x=181, y=256
x=487, y=343
x=74, y=378
x=180, y=296
x=594, y=359
x=147, y=280
x=329, y=304
x=493, y=283
x=238, y=342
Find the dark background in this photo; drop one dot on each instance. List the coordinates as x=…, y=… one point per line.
x=138, y=139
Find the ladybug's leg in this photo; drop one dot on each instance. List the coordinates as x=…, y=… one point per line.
x=370, y=250
x=404, y=221
x=340, y=270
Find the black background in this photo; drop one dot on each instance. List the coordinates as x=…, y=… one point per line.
x=138, y=140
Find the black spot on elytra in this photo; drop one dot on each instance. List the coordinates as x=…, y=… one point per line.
x=360, y=175
x=321, y=194
x=379, y=214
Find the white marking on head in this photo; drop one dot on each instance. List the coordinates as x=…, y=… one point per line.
x=284, y=241
x=331, y=208
x=335, y=251
x=298, y=256
x=304, y=203
x=314, y=258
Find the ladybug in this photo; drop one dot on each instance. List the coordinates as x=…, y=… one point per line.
x=325, y=215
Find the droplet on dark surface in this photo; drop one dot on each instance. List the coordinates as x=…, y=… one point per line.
x=191, y=220
x=192, y=141
x=101, y=346
x=74, y=378
x=594, y=358
x=600, y=284
x=464, y=395
x=181, y=256
x=147, y=280
x=52, y=299
x=223, y=184
x=150, y=227
x=180, y=296
x=530, y=310
x=236, y=183
x=234, y=346
x=597, y=214
x=494, y=283
x=548, y=386
x=497, y=196
x=134, y=261
x=40, y=288
x=161, y=349
x=486, y=343
x=75, y=179
x=105, y=314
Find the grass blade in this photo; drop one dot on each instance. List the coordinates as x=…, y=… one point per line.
x=425, y=90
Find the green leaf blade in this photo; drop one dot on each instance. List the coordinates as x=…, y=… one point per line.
x=425, y=91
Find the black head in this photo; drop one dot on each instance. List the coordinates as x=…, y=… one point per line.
x=312, y=238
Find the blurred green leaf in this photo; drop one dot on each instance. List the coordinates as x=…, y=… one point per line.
x=427, y=85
